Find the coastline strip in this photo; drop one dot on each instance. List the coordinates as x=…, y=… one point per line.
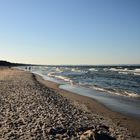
x=29, y=109
x=132, y=124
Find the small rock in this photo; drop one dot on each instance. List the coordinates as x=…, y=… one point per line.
x=58, y=136
x=88, y=135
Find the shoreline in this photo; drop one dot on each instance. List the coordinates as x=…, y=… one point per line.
x=126, y=106
x=131, y=123
x=32, y=108
x=115, y=101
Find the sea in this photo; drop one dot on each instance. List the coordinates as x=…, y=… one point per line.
x=117, y=87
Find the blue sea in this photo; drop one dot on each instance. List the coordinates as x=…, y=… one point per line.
x=118, y=87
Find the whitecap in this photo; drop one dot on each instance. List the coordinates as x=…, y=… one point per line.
x=122, y=72
x=93, y=69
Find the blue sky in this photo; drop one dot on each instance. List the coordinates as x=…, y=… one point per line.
x=70, y=31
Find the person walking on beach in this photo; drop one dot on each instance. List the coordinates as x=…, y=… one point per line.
x=25, y=68
x=29, y=68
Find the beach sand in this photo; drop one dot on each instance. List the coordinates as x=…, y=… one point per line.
x=35, y=109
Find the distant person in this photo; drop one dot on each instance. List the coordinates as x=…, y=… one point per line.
x=29, y=68
x=25, y=68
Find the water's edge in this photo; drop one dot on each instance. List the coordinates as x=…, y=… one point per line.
x=118, y=104
x=127, y=106
x=124, y=105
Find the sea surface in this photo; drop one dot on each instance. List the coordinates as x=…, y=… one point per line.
x=117, y=87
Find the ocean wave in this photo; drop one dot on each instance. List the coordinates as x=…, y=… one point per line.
x=78, y=71
x=131, y=94
x=114, y=69
x=105, y=69
x=122, y=72
x=75, y=70
x=98, y=88
x=117, y=92
x=93, y=69
x=136, y=73
x=137, y=70
x=126, y=71
x=50, y=74
x=64, y=78
x=59, y=70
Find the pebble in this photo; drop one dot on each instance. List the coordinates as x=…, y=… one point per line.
x=88, y=135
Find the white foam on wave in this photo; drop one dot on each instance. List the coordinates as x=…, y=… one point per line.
x=136, y=73
x=59, y=77
x=98, y=88
x=93, y=69
x=78, y=71
x=123, y=93
x=126, y=71
x=62, y=78
x=118, y=70
x=75, y=70
x=131, y=94
x=105, y=90
x=106, y=69
x=137, y=70
x=50, y=74
x=113, y=69
x=59, y=70
x=122, y=72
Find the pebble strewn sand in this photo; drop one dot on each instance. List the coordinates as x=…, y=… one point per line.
x=29, y=110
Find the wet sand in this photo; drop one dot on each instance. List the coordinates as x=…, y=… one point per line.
x=35, y=109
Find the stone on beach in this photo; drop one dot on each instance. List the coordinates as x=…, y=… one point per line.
x=88, y=135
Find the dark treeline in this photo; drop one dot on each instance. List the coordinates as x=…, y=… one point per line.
x=9, y=64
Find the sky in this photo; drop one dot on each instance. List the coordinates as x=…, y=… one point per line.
x=70, y=31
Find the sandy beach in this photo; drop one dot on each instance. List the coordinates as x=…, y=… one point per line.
x=35, y=109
